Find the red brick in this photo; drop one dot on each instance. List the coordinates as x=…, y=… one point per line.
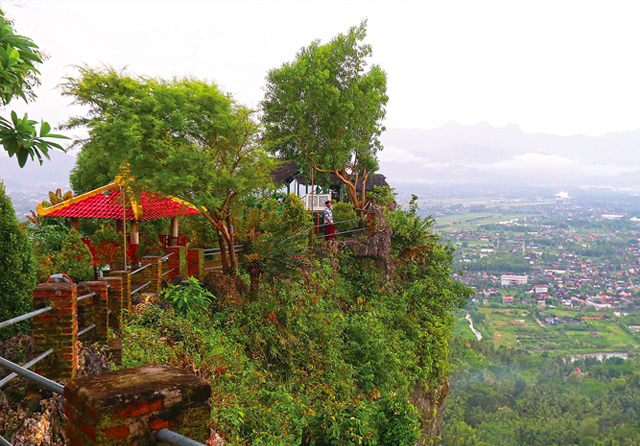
x=158, y=423
x=140, y=408
x=118, y=433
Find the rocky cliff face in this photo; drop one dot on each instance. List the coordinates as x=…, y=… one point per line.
x=430, y=404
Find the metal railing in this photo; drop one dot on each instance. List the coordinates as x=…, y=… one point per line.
x=338, y=222
x=86, y=296
x=10, y=377
x=141, y=287
x=168, y=272
x=342, y=232
x=165, y=435
x=165, y=257
x=24, y=317
x=214, y=251
x=140, y=269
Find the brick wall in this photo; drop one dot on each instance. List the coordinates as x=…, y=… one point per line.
x=195, y=263
x=128, y=406
x=56, y=329
x=177, y=262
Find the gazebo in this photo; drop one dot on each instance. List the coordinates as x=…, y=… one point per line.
x=116, y=201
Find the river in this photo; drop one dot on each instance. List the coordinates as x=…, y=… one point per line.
x=475, y=332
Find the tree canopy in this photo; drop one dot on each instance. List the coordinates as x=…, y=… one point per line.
x=19, y=58
x=183, y=138
x=326, y=109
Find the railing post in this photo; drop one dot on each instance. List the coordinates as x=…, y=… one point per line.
x=114, y=302
x=128, y=406
x=126, y=288
x=195, y=263
x=56, y=329
x=177, y=262
x=99, y=310
x=152, y=273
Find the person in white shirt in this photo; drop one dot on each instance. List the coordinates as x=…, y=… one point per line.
x=328, y=221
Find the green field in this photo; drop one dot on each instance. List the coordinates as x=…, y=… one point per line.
x=519, y=328
x=459, y=222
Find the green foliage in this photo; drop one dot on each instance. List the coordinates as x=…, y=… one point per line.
x=17, y=267
x=183, y=138
x=189, y=297
x=74, y=259
x=344, y=211
x=338, y=124
x=108, y=245
x=502, y=396
x=149, y=242
x=384, y=196
x=47, y=242
x=327, y=352
x=411, y=234
x=19, y=57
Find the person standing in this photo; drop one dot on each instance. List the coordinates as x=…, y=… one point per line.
x=328, y=221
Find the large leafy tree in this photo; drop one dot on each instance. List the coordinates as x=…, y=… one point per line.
x=19, y=58
x=182, y=137
x=17, y=266
x=326, y=109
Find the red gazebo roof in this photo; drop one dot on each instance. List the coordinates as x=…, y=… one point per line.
x=106, y=202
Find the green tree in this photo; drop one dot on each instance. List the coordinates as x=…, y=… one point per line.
x=326, y=109
x=17, y=266
x=183, y=138
x=19, y=57
x=74, y=259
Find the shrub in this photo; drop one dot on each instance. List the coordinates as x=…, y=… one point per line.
x=149, y=242
x=108, y=245
x=75, y=259
x=344, y=211
x=189, y=298
x=47, y=242
x=17, y=267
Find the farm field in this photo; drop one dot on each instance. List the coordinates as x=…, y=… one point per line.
x=518, y=328
x=469, y=220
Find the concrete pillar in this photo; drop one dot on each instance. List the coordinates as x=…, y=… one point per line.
x=56, y=329
x=177, y=262
x=195, y=263
x=134, y=233
x=152, y=273
x=126, y=287
x=99, y=310
x=129, y=406
x=174, y=231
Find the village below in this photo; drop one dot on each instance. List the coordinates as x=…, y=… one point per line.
x=553, y=318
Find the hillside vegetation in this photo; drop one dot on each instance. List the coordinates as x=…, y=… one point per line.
x=345, y=351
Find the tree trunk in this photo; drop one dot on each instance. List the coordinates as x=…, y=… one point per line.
x=223, y=252
x=352, y=188
x=233, y=258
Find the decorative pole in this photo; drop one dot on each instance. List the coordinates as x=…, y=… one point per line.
x=124, y=225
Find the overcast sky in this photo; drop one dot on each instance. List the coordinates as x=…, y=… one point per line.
x=560, y=67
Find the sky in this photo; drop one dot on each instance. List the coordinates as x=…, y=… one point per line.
x=560, y=67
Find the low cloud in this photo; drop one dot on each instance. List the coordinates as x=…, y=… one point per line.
x=553, y=164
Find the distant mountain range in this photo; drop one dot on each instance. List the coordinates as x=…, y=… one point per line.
x=469, y=157
x=508, y=157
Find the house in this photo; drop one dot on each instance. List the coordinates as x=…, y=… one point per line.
x=507, y=299
x=541, y=289
x=289, y=175
x=509, y=279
